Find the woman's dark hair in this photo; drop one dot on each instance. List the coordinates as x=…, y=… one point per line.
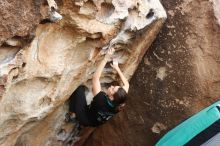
x=120, y=96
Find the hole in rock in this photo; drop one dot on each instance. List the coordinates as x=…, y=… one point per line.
x=15, y=77
x=106, y=10
x=23, y=64
x=150, y=13
x=44, y=21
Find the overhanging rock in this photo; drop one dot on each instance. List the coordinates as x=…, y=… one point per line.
x=38, y=76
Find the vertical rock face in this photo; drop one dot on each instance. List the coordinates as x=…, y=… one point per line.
x=207, y=49
x=40, y=68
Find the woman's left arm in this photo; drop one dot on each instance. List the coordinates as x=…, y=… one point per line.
x=121, y=75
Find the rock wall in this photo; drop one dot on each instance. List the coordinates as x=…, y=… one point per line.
x=42, y=63
x=178, y=76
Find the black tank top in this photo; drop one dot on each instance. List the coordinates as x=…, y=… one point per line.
x=101, y=109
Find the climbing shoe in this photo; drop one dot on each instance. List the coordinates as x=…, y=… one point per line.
x=69, y=118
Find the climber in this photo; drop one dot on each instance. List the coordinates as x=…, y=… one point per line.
x=104, y=104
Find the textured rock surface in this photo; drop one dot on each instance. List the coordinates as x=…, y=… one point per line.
x=178, y=76
x=18, y=18
x=40, y=68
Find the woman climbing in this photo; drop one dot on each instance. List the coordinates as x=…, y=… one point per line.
x=104, y=104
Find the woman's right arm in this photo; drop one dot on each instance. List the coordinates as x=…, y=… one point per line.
x=96, y=85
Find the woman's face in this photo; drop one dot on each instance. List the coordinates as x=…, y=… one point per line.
x=111, y=90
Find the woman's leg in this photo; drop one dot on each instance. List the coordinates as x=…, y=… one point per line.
x=78, y=105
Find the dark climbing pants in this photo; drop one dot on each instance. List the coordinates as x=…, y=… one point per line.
x=78, y=105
